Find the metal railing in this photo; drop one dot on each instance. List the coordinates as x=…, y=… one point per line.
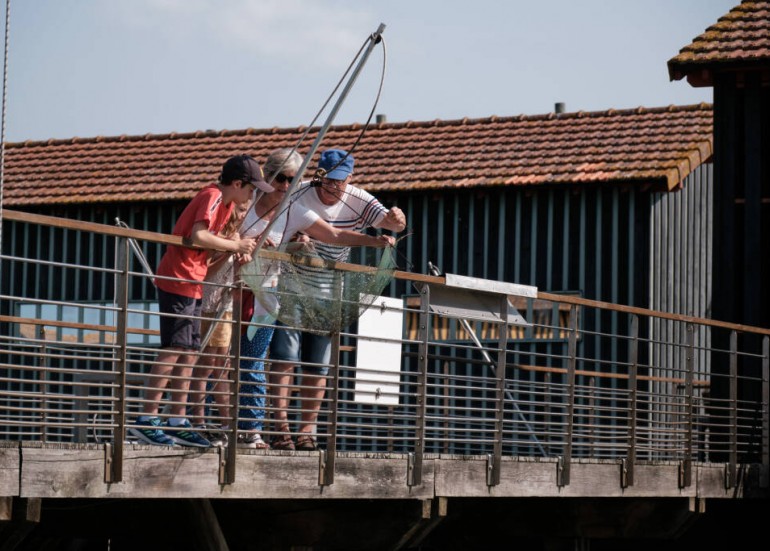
x=666, y=388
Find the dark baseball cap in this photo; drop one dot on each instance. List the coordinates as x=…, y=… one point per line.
x=245, y=169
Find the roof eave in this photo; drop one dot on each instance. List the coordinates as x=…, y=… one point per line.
x=701, y=74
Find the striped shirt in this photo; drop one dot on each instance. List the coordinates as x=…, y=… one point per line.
x=356, y=211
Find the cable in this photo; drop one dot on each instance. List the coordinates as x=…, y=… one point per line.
x=2, y=123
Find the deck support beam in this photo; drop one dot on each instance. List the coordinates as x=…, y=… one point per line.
x=20, y=516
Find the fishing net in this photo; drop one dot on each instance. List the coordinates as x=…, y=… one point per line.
x=301, y=289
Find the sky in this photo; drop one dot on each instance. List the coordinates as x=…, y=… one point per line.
x=109, y=67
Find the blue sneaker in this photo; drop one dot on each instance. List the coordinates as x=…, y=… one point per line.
x=181, y=434
x=151, y=435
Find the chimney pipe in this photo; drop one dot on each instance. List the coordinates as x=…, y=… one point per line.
x=381, y=119
x=559, y=108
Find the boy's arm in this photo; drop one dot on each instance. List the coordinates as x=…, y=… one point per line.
x=202, y=237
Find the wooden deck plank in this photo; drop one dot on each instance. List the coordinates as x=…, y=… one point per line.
x=185, y=473
x=62, y=472
x=588, y=479
x=9, y=471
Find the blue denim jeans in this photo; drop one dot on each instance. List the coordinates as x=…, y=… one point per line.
x=253, y=381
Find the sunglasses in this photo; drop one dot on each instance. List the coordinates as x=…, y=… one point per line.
x=282, y=178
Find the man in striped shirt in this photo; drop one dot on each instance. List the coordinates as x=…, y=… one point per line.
x=340, y=204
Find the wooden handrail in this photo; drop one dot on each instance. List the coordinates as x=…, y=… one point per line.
x=598, y=375
x=75, y=325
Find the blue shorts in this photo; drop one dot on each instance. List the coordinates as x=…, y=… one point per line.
x=290, y=345
x=179, y=332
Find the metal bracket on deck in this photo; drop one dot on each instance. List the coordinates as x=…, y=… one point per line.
x=410, y=470
x=108, y=462
x=562, y=472
x=685, y=473
x=324, y=478
x=729, y=476
x=624, y=473
x=492, y=469
x=222, y=452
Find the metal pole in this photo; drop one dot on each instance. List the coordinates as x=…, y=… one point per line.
x=330, y=453
x=732, y=467
x=563, y=472
x=374, y=38
x=493, y=478
x=764, y=483
x=115, y=473
x=628, y=474
x=686, y=480
x=422, y=391
x=228, y=475
x=41, y=362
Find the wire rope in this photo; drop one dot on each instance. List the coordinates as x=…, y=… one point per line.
x=3, y=116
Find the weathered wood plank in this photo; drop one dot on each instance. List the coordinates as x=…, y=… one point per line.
x=297, y=478
x=711, y=483
x=538, y=479
x=58, y=472
x=9, y=471
x=173, y=473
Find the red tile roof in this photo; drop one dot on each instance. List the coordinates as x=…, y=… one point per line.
x=740, y=39
x=640, y=146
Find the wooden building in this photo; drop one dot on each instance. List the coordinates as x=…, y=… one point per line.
x=733, y=57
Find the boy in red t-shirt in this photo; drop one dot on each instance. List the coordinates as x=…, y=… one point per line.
x=200, y=222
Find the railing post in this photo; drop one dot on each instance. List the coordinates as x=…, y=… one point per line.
x=764, y=482
x=686, y=469
x=493, y=474
x=422, y=389
x=732, y=467
x=563, y=468
x=42, y=363
x=227, y=466
x=328, y=456
x=113, y=471
x=627, y=476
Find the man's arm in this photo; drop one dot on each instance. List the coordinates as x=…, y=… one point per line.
x=394, y=220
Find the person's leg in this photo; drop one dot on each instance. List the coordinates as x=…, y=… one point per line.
x=206, y=365
x=284, y=355
x=158, y=380
x=221, y=388
x=190, y=338
x=253, y=387
x=179, y=386
x=316, y=349
x=186, y=336
x=280, y=380
x=172, y=332
x=211, y=364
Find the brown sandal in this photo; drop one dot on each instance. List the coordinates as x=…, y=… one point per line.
x=282, y=441
x=306, y=442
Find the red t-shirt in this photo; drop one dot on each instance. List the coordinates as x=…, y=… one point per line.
x=187, y=263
